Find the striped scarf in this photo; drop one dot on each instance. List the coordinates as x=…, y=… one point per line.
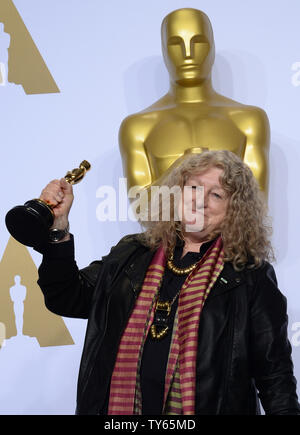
x=180, y=379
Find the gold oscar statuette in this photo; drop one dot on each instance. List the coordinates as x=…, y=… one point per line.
x=29, y=223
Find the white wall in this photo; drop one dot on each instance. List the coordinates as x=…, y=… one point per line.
x=106, y=60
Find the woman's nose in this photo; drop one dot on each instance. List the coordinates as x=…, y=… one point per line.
x=200, y=199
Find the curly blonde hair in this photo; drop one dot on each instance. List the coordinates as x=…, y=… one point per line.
x=246, y=229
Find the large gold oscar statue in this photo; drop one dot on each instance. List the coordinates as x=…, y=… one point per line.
x=192, y=116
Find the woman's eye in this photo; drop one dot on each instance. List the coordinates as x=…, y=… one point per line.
x=217, y=195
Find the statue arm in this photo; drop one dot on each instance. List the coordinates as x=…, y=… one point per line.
x=136, y=167
x=257, y=130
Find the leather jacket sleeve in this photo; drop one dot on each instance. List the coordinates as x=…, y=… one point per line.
x=67, y=290
x=270, y=349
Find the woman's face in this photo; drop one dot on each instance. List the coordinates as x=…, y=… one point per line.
x=205, y=212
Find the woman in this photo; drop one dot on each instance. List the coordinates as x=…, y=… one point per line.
x=185, y=318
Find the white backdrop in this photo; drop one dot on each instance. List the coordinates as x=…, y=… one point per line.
x=105, y=58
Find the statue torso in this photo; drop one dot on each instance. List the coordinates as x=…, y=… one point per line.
x=176, y=129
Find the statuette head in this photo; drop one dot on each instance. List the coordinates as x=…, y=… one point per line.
x=188, y=46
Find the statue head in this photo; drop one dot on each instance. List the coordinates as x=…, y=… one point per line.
x=188, y=46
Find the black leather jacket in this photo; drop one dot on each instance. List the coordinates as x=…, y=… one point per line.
x=243, y=346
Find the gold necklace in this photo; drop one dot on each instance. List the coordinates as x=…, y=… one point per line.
x=161, y=318
x=178, y=270
x=163, y=308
